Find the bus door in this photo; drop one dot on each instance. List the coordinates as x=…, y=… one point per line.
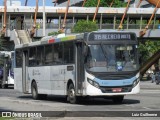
x=25, y=82
x=79, y=68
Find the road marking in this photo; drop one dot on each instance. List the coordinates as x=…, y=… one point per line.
x=147, y=108
x=150, y=91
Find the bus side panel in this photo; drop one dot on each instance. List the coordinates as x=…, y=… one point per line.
x=70, y=74
x=18, y=79
x=42, y=77
x=57, y=79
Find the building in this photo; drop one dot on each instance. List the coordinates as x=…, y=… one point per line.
x=13, y=2
x=133, y=3
x=61, y=3
x=144, y=4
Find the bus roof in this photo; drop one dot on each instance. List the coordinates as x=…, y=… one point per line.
x=52, y=39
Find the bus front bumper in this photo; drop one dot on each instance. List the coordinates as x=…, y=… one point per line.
x=93, y=91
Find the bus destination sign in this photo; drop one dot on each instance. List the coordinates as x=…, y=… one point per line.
x=111, y=36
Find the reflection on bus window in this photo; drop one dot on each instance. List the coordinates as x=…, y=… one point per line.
x=40, y=55
x=58, y=53
x=32, y=57
x=18, y=58
x=48, y=54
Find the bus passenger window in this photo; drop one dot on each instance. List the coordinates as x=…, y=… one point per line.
x=40, y=55
x=32, y=57
x=56, y=57
x=18, y=58
x=69, y=52
x=58, y=53
x=48, y=54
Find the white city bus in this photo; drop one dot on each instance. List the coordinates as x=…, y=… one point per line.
x=7, y=66
x=96, y=64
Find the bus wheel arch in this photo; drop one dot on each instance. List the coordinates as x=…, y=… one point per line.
x=68, y=83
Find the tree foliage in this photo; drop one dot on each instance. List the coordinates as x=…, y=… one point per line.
x=148, y=49
x=84, y=26
x=54, y=33
x=105, y=3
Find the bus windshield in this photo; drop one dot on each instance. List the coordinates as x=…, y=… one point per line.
x=112, y=58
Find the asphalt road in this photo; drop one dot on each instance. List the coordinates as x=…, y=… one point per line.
x=147, y=100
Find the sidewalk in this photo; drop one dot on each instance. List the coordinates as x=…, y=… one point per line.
x=149, y=85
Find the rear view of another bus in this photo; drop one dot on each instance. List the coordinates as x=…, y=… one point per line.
x=10, y=70
x=6, y=69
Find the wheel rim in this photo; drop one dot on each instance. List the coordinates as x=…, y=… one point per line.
x=72, y=94
x=34, y=92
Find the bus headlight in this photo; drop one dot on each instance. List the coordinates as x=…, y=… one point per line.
x=95, y=84
x=135, y=82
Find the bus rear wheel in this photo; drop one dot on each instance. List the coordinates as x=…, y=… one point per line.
x=71, y=95
x=118, y=99
x=35, y=94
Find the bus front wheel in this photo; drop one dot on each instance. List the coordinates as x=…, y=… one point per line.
x=71, y=97
x=34, y=91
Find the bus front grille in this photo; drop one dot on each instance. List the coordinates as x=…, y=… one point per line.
x=111, y=89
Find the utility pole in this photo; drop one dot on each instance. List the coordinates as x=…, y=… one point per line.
x=44, y=19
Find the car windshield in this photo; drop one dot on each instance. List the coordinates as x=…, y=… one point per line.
x=112, y=58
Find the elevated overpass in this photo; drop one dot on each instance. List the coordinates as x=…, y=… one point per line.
x=21, y=18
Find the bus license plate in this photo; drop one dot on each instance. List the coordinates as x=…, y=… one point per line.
x=116, y=89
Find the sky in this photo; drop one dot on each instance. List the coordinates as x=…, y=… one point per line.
x=32, y=2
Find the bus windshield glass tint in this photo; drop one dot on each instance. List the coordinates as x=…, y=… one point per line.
x=112, y=58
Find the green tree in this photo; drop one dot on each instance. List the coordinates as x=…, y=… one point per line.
x=105, y=3
x=84, y=26
x=54, y=33
x=148, y=49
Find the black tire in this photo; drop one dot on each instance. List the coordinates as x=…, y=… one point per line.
x=34, y=91
x=71, y=96
x=6, y=86
x=0, y=85
x=118, y=99
x=35, y=94
x=157, y=82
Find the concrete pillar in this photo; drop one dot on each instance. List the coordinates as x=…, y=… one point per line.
x=141, y=22
x=127, y=22
x=73, y=20
x=59, y=22
x=2, y=20
x=154, y=22
x=101, y=19
x=31, y=20
x=24, y=22
x=114, y=22
x=9, y=21
x=87, y=17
